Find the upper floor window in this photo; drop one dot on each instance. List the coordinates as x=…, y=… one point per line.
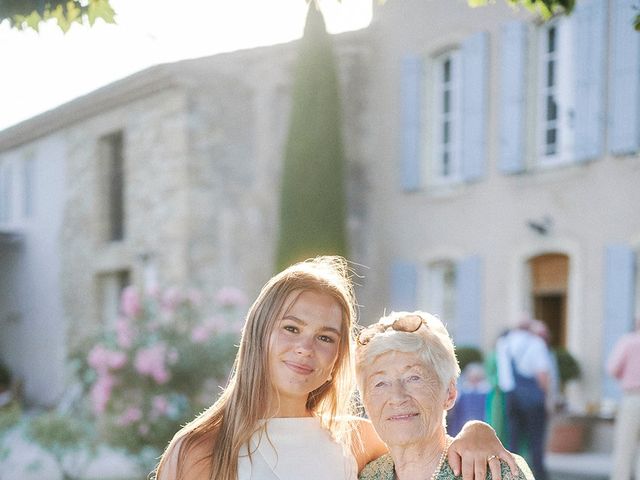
x=446, y=117
x=112, y=188
x=555, y=93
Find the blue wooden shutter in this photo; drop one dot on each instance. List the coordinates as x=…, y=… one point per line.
x=624, y=80
x=475, y=54
x=590, y=19
x=618, y=303
x=468, y=326
x=513, y=87
x=404, y=284
x=411, y=91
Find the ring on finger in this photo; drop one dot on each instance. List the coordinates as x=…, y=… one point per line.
x=491, y=457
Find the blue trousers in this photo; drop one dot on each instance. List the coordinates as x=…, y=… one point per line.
x=528, y=426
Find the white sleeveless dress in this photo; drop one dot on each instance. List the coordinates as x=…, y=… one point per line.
x=296, y=448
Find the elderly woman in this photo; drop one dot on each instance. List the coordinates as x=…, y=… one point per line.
x=407, y=371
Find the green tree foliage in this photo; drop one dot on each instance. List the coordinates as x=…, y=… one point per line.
x=30, y=13
x=545, y=8
x=312, y=204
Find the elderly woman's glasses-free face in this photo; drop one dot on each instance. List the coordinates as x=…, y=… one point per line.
x=408, y=323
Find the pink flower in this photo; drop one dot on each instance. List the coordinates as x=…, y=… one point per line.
x=101, y=393
x=171, y=299
x=130, y=415
x=101, y=359
x=230, y=297
x=125, y=334
x=159, y=405
x=151, y=361
x=200, y=334
x=143, y=429
x=130, y=303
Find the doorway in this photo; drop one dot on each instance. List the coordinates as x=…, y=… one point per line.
x=549, y=290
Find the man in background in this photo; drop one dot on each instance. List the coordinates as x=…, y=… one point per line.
x=524, y=369
x=624, y=365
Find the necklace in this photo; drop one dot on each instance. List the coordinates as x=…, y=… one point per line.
x=443, y=455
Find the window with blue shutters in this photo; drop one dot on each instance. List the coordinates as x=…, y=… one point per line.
x=566, y=110
x=444, y=110
x=452, y=290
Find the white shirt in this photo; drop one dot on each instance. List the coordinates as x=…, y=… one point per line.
x=296, y=448
x=530, y=353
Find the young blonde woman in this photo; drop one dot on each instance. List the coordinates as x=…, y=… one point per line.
x=287, y=412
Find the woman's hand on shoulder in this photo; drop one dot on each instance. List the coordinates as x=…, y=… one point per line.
x=476, y=446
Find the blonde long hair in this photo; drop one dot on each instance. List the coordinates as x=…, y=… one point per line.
x=235, y=416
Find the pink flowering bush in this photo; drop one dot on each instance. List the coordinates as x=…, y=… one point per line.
x=159, y=365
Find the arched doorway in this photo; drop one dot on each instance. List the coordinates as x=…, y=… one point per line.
x=549, y=291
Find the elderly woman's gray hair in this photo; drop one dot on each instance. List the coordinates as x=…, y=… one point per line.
x=430, y=342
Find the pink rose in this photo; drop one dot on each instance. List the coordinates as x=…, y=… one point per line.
x=130, y=415
x=200, y=334
x=101, y=393
x=101, y=359
x=151, y=361
x=171, y=299
x=130, y=303
x=159, y=406
x=125, y=333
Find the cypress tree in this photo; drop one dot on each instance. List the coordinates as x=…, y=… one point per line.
x=313, y=203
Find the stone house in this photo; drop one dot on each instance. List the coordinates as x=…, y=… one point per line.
x=168, y=177
x=493, y=169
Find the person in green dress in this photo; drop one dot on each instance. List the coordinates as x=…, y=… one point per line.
x=407, y=370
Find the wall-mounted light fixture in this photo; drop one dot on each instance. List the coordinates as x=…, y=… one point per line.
x=541, y=226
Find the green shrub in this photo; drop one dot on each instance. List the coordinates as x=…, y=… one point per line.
x=467, y=355
x=568, y=367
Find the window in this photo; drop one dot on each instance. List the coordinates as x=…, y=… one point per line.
x=439, y=291
x=555, y=94
x=112, y=159
x=110, y=287
x=446, y=118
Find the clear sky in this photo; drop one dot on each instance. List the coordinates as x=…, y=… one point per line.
x=39, y=71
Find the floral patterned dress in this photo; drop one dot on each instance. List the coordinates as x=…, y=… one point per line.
x=383, y=469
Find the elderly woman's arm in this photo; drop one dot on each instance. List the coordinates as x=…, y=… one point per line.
x=471, y=450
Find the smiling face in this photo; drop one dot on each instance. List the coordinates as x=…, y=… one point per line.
x=303, y=348
x=404, y=399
